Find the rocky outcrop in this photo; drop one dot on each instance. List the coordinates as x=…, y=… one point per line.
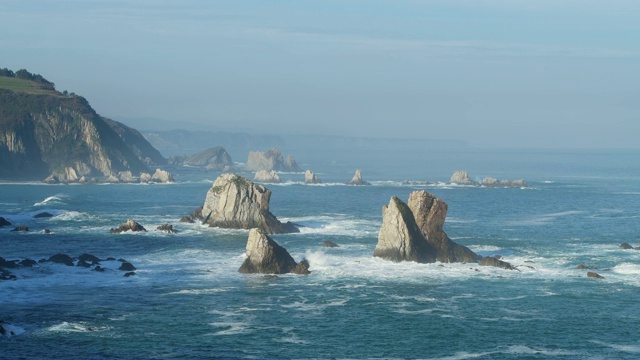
x=126, y=176
x=265, y=256
x=414, y=232
x=144, y=177
x=21, y=228
x=129, y=225
x=271, y=160
x=196, y=215
x=594, y=275
x=66, y=175
x=215, y=158
x=626, y=246
x=162, y=176
x=430, y=214
x=167, y=228
x=495, y=262
x=329, y=244
x=43, y=214
x=461, y=177
x=265, y=176
x=311, y=178
x=236, y=202
x=4, y=222
x=357, y=179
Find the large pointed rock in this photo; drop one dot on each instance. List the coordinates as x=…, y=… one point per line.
x=414, y=232
x=237, y=203
x=357, y=179
x=265, y=256
x=430, y=214
x=399, y=238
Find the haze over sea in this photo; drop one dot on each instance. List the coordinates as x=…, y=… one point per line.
x=188, y=301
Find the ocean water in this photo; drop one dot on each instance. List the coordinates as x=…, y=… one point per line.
x=187, y=300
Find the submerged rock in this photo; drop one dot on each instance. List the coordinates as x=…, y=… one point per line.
x=265, y=176
x=127, y=266
x=594, y=275
x=626, y=246
x=129, y=225
x=329, y=244
x=61, y=259
x=415, y=232
x=357, y=179
x=21, y=228
x=492, y=261
x=167, y=228
x=4, y=222
x=265, y=256
x=43, y=215
x=237, y=203
x=311, y=178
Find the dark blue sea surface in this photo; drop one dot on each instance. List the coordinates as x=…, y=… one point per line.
x=188, y=301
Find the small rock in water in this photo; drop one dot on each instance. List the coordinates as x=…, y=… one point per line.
x=594, y=275
x=330, y=244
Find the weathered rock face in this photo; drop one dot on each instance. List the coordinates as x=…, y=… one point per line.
x=215, y=158
x=271, y=160
x=144, y=177
x=461, y=177
x=265, y=176
x=414, y=232
x=265, y=256
x=237, y=203
x=311, y=178
x=430, y=214
x=162, y=176
x=129, y=225
x=399, y=238
x=357, y=179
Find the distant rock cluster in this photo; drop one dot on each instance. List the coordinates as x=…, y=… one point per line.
x=69, y=175
x=271, y=160
x=462, y=178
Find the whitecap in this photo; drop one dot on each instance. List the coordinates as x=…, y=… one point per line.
x=628, y=348
x=58, y=198
x=525, y=350
x=75, y=327
x=627, y=269
x=231, y=327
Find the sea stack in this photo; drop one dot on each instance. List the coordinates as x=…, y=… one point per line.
x=461, y=177
x=311, y=178
x=265, y=256
x=236, y=202
x=271, y=160
x=414, y=232
x=357, y=179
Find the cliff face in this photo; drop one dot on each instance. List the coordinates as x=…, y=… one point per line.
x=41, y=134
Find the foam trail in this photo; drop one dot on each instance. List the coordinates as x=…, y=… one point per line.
x=58, y=198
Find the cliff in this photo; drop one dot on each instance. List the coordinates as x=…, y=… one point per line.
x=43, y=131
x=271, y=160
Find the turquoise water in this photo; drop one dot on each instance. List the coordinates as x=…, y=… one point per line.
x=188, y=301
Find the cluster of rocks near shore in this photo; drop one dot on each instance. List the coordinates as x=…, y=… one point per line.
x=69, y=175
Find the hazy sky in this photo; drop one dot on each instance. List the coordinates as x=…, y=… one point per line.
x=498, y=72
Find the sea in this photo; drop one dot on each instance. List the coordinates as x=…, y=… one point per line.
x=187, y=299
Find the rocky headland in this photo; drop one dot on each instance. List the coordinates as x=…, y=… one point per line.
x=265, y=256
x=271, y=160
x=236, y=202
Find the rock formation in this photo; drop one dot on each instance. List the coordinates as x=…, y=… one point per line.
x=4, y=222
x=271, y=160
x=126, y=176
x=236, y=202
x=495, y=262
x=129, y=225
x=162, y=176
x=215, y=158
x=329, y=244
x=461, y=177
x=167, y=228
x=430, y=214
x=414, y=232
x=196, y=215
x=594, y=275
x=311, y=178
x=144, y=177
x=357, y=179
x=265, y=176
x=265, y=256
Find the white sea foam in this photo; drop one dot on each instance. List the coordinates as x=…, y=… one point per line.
x=231, y=327
x=525, y=350
x=627, y=348
x=627, y=269
x=75, y=327
x=58, y=198
x=336, y=224
x=544, y=219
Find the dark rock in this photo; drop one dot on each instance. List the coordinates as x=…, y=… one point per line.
x=9, y=264
x=110, y=259
x=129, y=225
x=43, y=215
x=330, y=244
x=130, y=273
x=265, y=256
x=127, y=266
x=594, y=275
x=491, y=261
x=6, y=275
x=84, y=264
x=302, y=268
x=626, y=246
x=93, y=260
x=168, y=228
x=28, y=263
x=47, y=231
x=98, y=269
x=21, y=228
x=196, y=215
x=61, y=259
x=4, y=222
x=42, y=261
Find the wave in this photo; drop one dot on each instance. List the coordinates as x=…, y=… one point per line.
x=55, y=199
x=75, y=327
x=336, y=224
x=544, y=219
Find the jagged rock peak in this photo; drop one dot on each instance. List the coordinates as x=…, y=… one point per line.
x=311, y=178
x=357, y=179
x=265, y=176
x=236, y=202
x=414, y=232
x=271, y=160
x=399, y=238
x=461, y=177
x=129, y=225
x=265, y=256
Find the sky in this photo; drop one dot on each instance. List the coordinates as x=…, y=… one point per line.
x=499, y=73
